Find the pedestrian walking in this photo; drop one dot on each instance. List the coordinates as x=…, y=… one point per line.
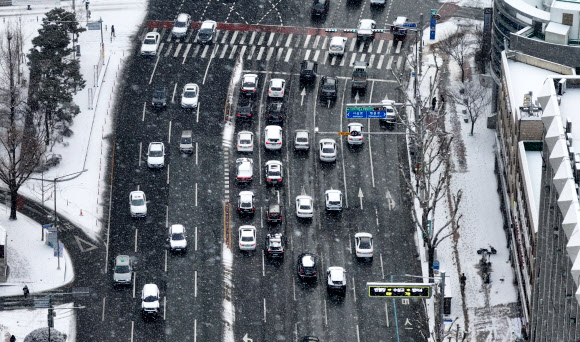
x=433, y=102
x=12, y=338
x=113, y=31
x=25, y=291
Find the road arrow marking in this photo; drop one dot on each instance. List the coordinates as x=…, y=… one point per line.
x=390, y=201
x=247, y=339
x=303, y=93
x=81, y=242
x=356, y=98
x=360, y=196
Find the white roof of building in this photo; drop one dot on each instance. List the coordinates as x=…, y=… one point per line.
x=570, y=5
x=533, y=171
x=529, y=9
x=557, y=28
x=2, y=236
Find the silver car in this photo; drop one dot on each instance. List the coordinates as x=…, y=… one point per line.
x=301, y=140
x=123, y=270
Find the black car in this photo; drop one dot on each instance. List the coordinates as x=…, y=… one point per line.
x=274, y=214
x=320, y=7
x=275, y=113
x=308, y=71
x=307, y=267
x=245, y=110
x=274, y=245
x=159, y=98
x=328, y=88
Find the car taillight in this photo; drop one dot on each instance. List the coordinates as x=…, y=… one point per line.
x=279, y=143
x=302, y=271
x=269, y=92
x=269, y=180
x=269, y=251
x=315, y=272
x=249, y=115
x=254, y=90
x=267, y=143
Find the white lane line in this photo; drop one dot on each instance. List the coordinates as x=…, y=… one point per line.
x=136, y=238
x=166, y=216
x=212, y=55
x=352, y=45
x=377, y=216
x=271, y=38
x=168, y=50
x=353, y=290
x=132, y=329
x=370, y=47
x=380, y=46
x=390, y=62
x=363, y=57
x=243, y=40
x=289, y=40
x=195, y=284
x=382, y=267
x=167, y=174
x=195, y=330
x=197, y=114
x=196, y=194
x=196, y=149
x=234, y=48
x=204, y=52
x=343, y=59
x=165, y=267
x=263, y=265
x=174, y=92
x=251, y=54
x=103, y=312
x=316, y=53
x=325, y=59
x=389, y=47
x=352, y=59
x=134, y=283
x=279, y=40
x=264, y=310
x=224, y=51
x=325, y=314
x=185, y=53
x=169, y=134
x=399, y=45
x=195, y=51
x=361, y=47
x=252, y=37
x=154, y=68
x=177, y=50
x=270, y=52
x=140, y=149
x=333, y=60
x=288, y=54
x=279, y=53
x=387, y=314
x=357, y=334
x=381, y=59
x=195, y=240
x=307, y=55
x=225, y=37
x=233, y=40
x=261, y=39
x=243, y=51
x=260, y=53
x=315, y=44
x=371, y=61
x=324, y=43
x=144, y=107
x=164, y=306
x=306, y=41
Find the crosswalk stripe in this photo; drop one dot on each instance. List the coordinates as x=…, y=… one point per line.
x=243, y=50
x=316, y=40
x=270, y=52
x=371, y=60
x=188, y=37
x=380, y=47
x=325, y=59
x=279, y=40
x=298, y=41
x=214, y=51
x=361, y=47
x=195, y=51
x=168, y=50
x=307, y=55
x=287, y=58
x=217, y=36
x=224, y=51
x=289, y=40
x=154, y=29
x=363, y=57
x=160, y=48
x=370, y=48
x=185, y=53
x=168, y=38
x=389, y=47
x=234, y=48
x=233, y=40
x=390, y=62
x=342, y=61
x=204, y=51
x=251, y=54
x=177, y=50
x=399, y=62
x=381, y=59
x=316, y=54
x=399, y=44
x=260, y=53
x=261, y=39
x=324, y=43
x=306, y=41
x=279, y=54
x=163, y=32
x=252, y=37
x=225, y=37
x=243, y=40
x=352, y=44
x=271, y=38
x=352, y=59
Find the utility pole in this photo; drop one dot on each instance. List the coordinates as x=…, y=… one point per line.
x=420, y=43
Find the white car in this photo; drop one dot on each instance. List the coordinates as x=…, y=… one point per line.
x=355, y=133
x=181, y=25
x=273, y=137
x=138, y=204
x=327, y=150
x=150, y=44
x=273, y=172
x=247, y=240
x=244, y=170
x=378, y=2
x=246, y=203
x=206, y=32
x=363, y=243
x=366, y=29
x=304, y=206
x=301, y=140
x=190, y=96
x=336, y=280
x=337, y=46
x=177, y=238
x=245, y=141
x=276, y=88
x=333, y=199
x=150, y=299
x=249, y=85
x=156, y=155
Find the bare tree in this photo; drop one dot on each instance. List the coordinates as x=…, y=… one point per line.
x=474, y=98
x=20, y=148
x=458, y=46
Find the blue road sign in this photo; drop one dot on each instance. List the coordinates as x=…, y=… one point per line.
x=432, y=25
x=410, y=25
x=366, y=112
x=435, y=264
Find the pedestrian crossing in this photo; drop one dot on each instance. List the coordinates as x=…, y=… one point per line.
x=281, y=47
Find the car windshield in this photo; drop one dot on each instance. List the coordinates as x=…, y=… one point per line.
x=138, y=202
x=365, y=243
x=122, y=269
x=149, y=41
x=305, y=205
x=329, y=86
x=248, y=84
x=189, y=94
x=150, y=299
x=245, y=141
x=247, y=238
x=177, y=236
x=156, y=154
x=334, y=202
x=159, y=94
x=276, y=88
x=336, y=47
x=274, y=173
x=205, y=31
x=246, y=204
x=327, y=150
x=186, y=140
x=179, y=24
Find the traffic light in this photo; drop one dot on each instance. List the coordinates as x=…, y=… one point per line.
x=349, y=31
x=378, y=30
x=331, y=30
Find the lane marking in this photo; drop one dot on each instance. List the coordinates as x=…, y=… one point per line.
x=169, y=134
x=352, y=59
x=261, y=39
x=307, y=54
x=154, y=68
x=381, y=59
x=103, y=312
x=264, y=310
x=177, y=50
x=232, y=41
x=204, y=52
x=272, y=34
x=315, y=44
x=251, y=54
x=136, y=234
x=196, y=149
x=352, y=44
x=390, y=62
x=144, y=106
x=234, y=48
x=195, y=285
x=196, y=194
x=243, y=40
x=306, y=41
x=168, y=174
x=224, y=51
x=279, y=53
x=260, y=53
x=195, y=239
x=140, y=149
x=165, y=267
x=289, y=40
x=185, y=53
x=399, y=45
x=270, y=52
x=252, y=37
x=225, y=37
x=316, y=53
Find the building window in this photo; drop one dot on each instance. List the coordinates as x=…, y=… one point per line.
x=567, y=19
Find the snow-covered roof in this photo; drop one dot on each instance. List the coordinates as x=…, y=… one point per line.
x=529, y=10
x=569, y=104
x=570, y=5
x=532, y=168
x=2, y=236
x=557, y=28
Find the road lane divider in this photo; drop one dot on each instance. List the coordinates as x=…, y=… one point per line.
x=144, y=108
x=164, y=306
x=174, y=91
x=165, y=264
x=140, y=151
x=103, y=311
x=195, y=284
x=169, y=134
x=154, y=68
x=136, y=234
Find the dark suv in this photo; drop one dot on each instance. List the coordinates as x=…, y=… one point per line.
x=245, y=110
x=275, y=245
x=308, y=71
x=275, y=113
x=328, y=88
x=274, y=214
x=320, y=7
x=307, y=267
x=159, y=98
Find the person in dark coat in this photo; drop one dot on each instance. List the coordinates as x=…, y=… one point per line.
x=25, y=291
x=433, y=102
x=113, y=31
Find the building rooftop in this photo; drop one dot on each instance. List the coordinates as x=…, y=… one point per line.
x=533, y=168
